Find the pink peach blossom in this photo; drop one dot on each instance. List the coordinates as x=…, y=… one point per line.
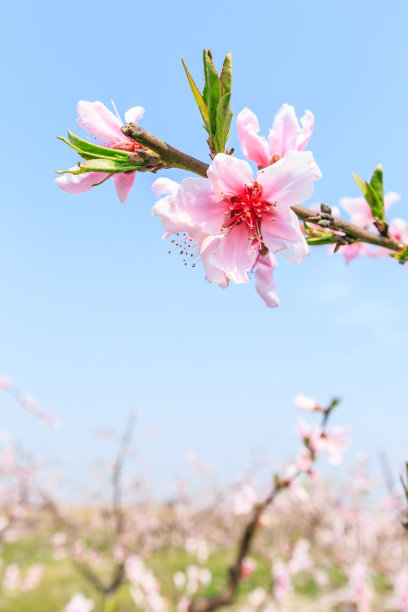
x=285, y=135
x=353, y=250
x=100, y=122
x=236, y=222
x=307, y=403
x=360, y=212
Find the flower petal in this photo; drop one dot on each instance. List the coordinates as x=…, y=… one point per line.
x=134, y=114
x=307, y=123
x=79, y=183
x=283, y=135
x=196, y=198
x=99, y=121
x=359, y=211
x=290, y=180
x=296, y=250
x=254, y=147
x=229, y=175
x=123, y=184
x=265, y=285
x=231, y=253
x=174, y=219
x=163, y=186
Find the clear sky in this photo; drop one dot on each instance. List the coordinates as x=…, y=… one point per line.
x=96, y=317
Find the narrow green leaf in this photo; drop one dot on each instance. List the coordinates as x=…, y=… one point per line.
x=360, y=183
x=318, y=240
x=223, y=123
x=82, y=153
x=213, y=90
x=198, y=98
x=94, y=149
x=106, y=165
x=377, y=207
x=226, y=75
x=378, y=185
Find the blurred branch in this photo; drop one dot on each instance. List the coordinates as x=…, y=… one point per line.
x=228, y=595
x=117, y=473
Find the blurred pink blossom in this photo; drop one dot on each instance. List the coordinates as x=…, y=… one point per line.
x=307, y=403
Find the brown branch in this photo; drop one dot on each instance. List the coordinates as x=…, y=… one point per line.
x=173, y=158
x=228, y=596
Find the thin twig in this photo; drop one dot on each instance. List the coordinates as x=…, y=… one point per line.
x=228, y=596
x=174, y=158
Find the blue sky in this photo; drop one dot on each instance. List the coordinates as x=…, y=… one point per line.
x=96, y=317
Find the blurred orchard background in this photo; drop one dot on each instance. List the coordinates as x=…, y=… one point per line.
x=99, y=322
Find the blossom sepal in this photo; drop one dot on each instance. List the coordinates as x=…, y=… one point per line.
x=317, y=237
x=215, y=102
x=105, y=159
x=373, y=193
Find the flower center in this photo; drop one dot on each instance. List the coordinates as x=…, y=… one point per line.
x=248, y=209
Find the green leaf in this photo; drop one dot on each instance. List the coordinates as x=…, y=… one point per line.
x=202, y=106
x=107, y=165
x=91, y=151
x=213, y=90
x=318, y=240
x=402, y=255
x=377, y=207
x=94, y=149
x=378, y=186
x=226, y=75
x=360, y=183
x=223, y=123
x=373, y=192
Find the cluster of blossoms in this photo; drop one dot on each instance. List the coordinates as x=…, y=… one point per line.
x=233, y=221
x=236, y=222
x=169, y=555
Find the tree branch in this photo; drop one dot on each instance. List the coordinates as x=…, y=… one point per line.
x=174, y=158
x=228, y=596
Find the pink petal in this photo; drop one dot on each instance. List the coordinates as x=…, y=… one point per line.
x=255, y=147
x=359, y=211
x=264, y=280
x=398, y=229
x=290, y=180
x=296, y=250
x=99, y=121
x=79, y=183
x=196, y=198
x=174, y=221
x=213, y=273
x=283, y=233
x=307, y=123
x=162, y=186
x=123, y=184
x=230, y=253
x=134, y=114
x=229, y=175
x=283, y=135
